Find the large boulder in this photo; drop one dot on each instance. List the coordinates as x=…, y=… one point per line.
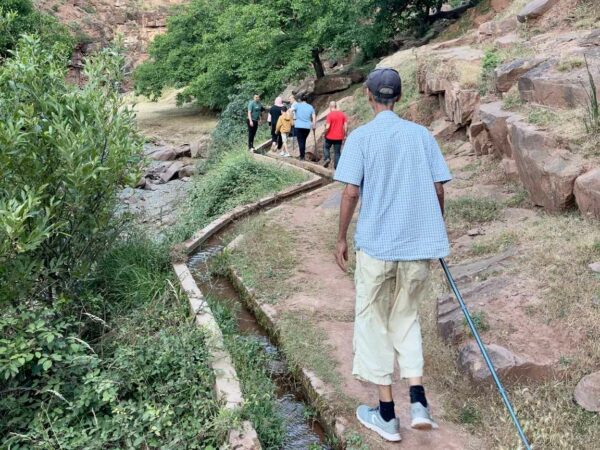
x=494, y=118
x=459, y=103
x=587, y=193
x=508, y=365
x=534, y=9
x=506, y=75
x=587, y=392
x=494, y=29
x=547, y=172
x=442, y=128
x=331, y=83
x=545, y=85
x=479, y=138
x=166, y=154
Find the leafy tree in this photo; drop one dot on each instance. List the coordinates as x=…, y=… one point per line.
x=64, y=153
x=18, y=17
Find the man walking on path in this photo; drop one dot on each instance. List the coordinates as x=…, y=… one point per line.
x=255, y=108
x=397, y=170
x=305, y=119
x=336, y=128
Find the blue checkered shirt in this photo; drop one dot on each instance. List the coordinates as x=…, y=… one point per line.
x=396, y=162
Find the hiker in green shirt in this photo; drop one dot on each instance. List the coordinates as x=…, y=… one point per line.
x=255, y=108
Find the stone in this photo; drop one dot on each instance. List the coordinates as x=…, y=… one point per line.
x=595, y=267
x=187, y=171
x=508, y=40
x=496, y=28
x=499, y=5
x=471, y=361
x=506, y=75
x=509, y=167
x=171, y=172
x=470, y=272
x=331, y=83
x=535, y=9
x=459, y=103
x=508, y=365
x=443, y=128
x=164, y=155
x=183, y=151
x=547, y=172
x=475, y=232
x=587, y=392
x=465, y=149
x=587, y=193
x=591, y=40
x=545, y=86
x=356, y=76
x=494, y=119
x=199, y=148
x=482, y=144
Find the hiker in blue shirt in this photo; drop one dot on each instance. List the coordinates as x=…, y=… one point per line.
x=305, y=120
x=397, y=170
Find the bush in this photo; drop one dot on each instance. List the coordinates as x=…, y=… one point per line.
x=18, y=17
x=491, y=60
x=234, y=179
x=65, y=153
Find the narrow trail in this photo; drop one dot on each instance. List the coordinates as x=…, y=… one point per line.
x=325, y=296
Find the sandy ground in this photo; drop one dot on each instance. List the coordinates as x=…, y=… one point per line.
x=165, y=121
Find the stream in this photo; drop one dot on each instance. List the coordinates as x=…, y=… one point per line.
x=302, y=430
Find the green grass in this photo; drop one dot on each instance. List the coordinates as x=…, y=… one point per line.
x=265, y=267
x=232, y=180
x=569, y=64
x=541, y=116
x=495, y=244
x=480, y=320
x=469, y=210
x=306, y=345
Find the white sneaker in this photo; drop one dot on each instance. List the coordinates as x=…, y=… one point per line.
x=371, y=419
x=421, y=417
x=281, y=154
x=286, y=154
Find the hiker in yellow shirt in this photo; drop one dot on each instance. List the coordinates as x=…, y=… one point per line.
x=284, y=127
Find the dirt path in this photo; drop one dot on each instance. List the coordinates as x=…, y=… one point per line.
x=324, y=296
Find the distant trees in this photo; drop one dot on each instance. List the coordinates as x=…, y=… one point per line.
x=19, y=17
x=214, y=46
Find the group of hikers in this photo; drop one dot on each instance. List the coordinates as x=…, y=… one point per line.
x=396, y=170
x=296, y=121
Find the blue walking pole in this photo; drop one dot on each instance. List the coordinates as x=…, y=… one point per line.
x=487, y=359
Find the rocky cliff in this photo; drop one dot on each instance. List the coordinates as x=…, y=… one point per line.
x=95, y=23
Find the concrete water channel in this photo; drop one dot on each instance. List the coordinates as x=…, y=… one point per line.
x=303, y=427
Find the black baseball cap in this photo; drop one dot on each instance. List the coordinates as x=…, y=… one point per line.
x=384, y=83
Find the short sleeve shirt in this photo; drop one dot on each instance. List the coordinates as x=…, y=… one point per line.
x=336, y=121
x=304, y=113
x=396, y=163
x=255, y=109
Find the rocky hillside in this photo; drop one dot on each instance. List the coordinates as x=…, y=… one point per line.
x=95, y=23
x=518, y=87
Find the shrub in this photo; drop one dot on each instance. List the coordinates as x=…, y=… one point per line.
x=491, y=60
x=18, y=17
x=234, y=179
x=65, y=153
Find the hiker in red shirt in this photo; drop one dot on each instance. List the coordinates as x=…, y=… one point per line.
x=336, y=128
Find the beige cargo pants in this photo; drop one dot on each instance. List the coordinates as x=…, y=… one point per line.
x=386, y=322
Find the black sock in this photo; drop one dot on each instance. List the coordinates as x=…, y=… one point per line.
x=386, y=409
x=417, y=394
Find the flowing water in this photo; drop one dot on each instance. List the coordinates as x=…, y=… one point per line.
x=302, y=430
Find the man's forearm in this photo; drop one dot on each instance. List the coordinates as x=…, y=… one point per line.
x=439, y=190
x=347, y=207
